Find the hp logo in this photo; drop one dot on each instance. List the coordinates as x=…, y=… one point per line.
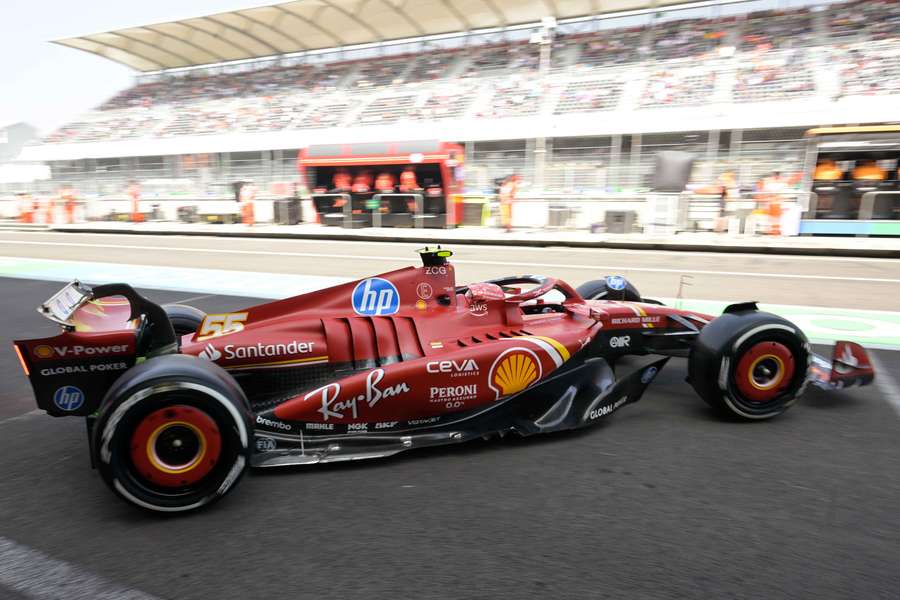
x=375, y=296
x=648, y=375
x=615, y=282
x=68, y=398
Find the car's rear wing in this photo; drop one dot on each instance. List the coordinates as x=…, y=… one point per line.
x=105, y=331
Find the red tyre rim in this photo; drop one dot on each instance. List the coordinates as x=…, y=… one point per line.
x=176, y=446
x=764, y=371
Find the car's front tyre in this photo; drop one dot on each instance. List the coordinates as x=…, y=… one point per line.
x=749, y=364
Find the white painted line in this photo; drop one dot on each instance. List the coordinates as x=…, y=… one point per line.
x=465, y=247
x=406, y=259
x=191, y=299
x=36, y=575
x=30, y=413
x=886, y=384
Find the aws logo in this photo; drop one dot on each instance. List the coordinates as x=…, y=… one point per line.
x=513, y=371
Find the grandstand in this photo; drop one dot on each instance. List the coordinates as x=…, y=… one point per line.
x=599, y=93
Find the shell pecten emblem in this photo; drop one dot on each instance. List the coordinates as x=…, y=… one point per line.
x=513, y=371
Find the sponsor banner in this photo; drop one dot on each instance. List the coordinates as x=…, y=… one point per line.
x=82, y=369
x=374, y=297
x=78, y=351
x=466, y=367
x=211, y=352
x=333, y=404
x=68, y=398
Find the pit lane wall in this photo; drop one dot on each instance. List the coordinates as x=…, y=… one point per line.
x=606, y=213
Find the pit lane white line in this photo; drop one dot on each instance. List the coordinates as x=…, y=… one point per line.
x=404, y=259
x=886, y=384
x=474, y=247
x=36, y=575
x=21, y=417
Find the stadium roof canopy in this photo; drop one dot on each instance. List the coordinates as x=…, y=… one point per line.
x=302, y=25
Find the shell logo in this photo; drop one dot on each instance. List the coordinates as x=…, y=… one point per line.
x=513, y=371
x=43, y=351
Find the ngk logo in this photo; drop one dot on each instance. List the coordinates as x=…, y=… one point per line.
x=621, y=341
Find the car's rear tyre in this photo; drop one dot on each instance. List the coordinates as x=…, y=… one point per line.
x=174, y=436
x=749, y=364
x=600, y=289
x=185, y=319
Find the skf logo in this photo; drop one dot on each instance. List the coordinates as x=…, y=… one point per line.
x=221, y=324
x=513, y=371
x=455, y=368
x=375, y=297
x=621, y=341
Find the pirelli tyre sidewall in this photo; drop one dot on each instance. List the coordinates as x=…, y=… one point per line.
x=722, y=360
x=164, y=394
x=185, y=319
x=597, y=290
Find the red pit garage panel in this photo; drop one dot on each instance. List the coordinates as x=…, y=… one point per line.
x=390, y=184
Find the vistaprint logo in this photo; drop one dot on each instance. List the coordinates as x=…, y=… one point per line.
x=210, y=353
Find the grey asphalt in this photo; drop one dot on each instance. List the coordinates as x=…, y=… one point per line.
x=867, y=283
x=663, y=500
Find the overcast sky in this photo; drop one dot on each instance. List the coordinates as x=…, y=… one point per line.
x=46, y=84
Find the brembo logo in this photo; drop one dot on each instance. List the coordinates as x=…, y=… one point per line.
x=454, y=368
x=271, y=423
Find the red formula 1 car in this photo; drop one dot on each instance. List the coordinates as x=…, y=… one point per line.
x=179, y=402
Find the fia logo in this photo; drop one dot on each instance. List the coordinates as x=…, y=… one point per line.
x=265, y=444
x=375, y=297
x=68, y=398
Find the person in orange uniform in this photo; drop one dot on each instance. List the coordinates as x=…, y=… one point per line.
x=507, y=196
x=248, y=194
x=134, y=192
x=827, y=170
x=868, y=170
x=408, y=181
x=26, y=207
x=384, y=183
x=67, y=197
x=772, y=187
x=341, y=180
x=362, y=183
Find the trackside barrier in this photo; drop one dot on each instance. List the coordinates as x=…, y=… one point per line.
x=867, y=205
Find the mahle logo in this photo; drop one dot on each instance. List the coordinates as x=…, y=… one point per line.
x=375, y=297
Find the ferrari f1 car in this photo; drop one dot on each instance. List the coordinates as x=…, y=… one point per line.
x=179, y=403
